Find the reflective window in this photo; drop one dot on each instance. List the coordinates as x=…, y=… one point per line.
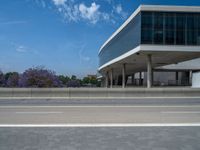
x=192, y=29
x=180, y=29
x=126, y=40
x=198, y=30
x=170, y=28
x=147, y=25
x=158, y=28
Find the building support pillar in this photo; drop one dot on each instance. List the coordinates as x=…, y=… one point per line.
x=111, y=78
x=177, y=78
x=106, y=85
x=123, y=75
x=140, y=78
x=149, y=71
x=133, y=79
x=190, y=78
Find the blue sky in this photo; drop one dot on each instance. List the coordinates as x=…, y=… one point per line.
x=62, y=35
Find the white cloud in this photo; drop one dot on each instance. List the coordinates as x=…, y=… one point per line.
x=40, y=3
x=75, y=11
x=118, y=8
x=59, y=2
x=91, y=13
x=43, y=4
x=21, y=49
x=109, y=1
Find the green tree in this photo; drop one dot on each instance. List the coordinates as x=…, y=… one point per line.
x=86, y=80
x=64, y=79
x=73, y=77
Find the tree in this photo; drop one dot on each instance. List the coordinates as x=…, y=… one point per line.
x=2, y=79
x=90, y=81
x=12, y=79
x=73, y=83
x=39, y=77
x=86, y=80
x=64, y=79
x=93, y=80
x=73, y=77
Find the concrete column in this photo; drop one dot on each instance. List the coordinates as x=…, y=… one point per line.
x=190, y=78
x=111, y=78
x=106, y=85
x=123, y=75
x=133, y=79
x=149, y=71
x=176, y=77
x=140, y=78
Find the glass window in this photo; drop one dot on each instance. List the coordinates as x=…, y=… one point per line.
x=158, y=28
x=147, y=25
x=180, y=29
x=191, y=27
x=198, y=30
x=147, y=20
x=169, y=28
x=147, y=36
x=169, y=37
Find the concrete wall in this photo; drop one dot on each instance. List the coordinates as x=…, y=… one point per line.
x=161, y=78
x=70, y=93
x=196, y=80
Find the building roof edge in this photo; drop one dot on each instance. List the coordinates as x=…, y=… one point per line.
x=169, y=8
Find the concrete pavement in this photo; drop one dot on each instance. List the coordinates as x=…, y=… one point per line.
x=101, y=102
x=131, y=138
x=56, y=115
x=142, y=124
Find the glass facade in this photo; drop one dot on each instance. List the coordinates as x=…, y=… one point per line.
x=170, y=28
x=156, y=28
x=126, y=40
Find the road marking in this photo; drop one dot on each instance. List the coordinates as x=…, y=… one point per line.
x=50, y=112
x=95, y=98
x=100, y=106
x=181, y=112
x=104, y=125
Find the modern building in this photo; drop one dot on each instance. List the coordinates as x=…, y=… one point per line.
x=154, y=46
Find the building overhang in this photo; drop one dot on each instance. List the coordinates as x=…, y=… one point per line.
x=162, y=55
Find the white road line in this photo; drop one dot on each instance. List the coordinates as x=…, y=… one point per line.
x=181, y=112
x=104, y=125
x=45, y=112
x=100, y=106
x=95, y=98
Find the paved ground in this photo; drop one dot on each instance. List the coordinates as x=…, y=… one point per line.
x=99, y=114
x=98, y=102
x=184, y=113
x=135, y=138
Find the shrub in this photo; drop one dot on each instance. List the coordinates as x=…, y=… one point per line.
x=2, y=79
x=39, y=77
x=73, y=83
x=12, y=79
x=64, y=80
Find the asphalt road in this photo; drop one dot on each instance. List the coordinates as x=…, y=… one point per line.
x=98, y=102
x=153, y=124
x=52, y=115
x=131, y=138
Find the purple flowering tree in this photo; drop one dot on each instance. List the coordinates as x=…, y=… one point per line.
x=2, y=79
x=12, y=79
x=39, y=77
x=73, y=83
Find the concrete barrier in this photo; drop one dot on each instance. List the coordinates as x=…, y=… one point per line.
x=70, y=93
